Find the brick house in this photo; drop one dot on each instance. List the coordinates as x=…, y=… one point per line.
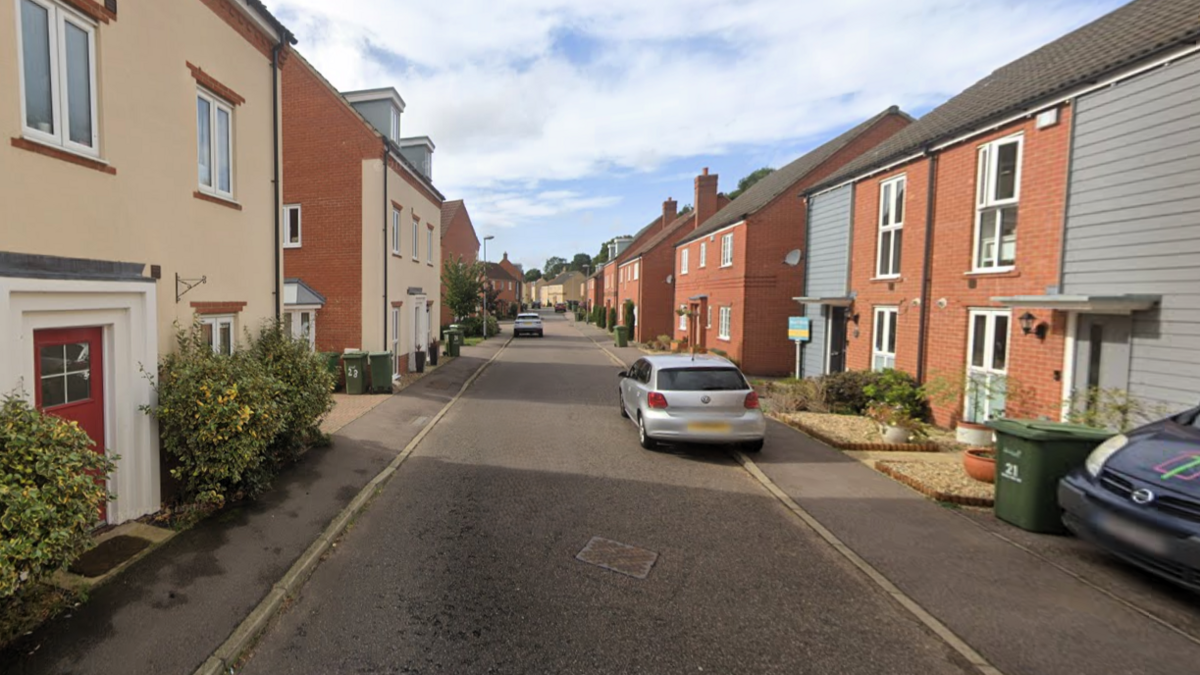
x=956, y=225
x=594, y=289
x=507, y=287
x=114, y=229
x=517, y=273
x=733, y=273
x=365, y=239
x=459, y=242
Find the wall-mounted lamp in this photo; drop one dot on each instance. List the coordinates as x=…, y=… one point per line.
x=1029, y=325
x=853, y=317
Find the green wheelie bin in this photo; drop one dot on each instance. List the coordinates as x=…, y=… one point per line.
x=1031, y=457
x=381, y=372
x=621, y=338
x=454, y=341
x=355, y=365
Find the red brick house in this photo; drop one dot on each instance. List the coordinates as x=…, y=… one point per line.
x=459, y=242
x=517, y=274
x=507, y=287
x=958, y=226
x=732, y=273
x=594, y=291
x=362, y=238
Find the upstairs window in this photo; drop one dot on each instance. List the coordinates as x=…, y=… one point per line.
x=291, y=226
x=703, y=262
x=395, y=125
x=891, y=227
x=429, y=246
x=416, y=237
x=636, y=268
x=727, y=250
x=57, y=52
x=396, y=231
x=214, y=137
x=683, y=262
x=999, y=189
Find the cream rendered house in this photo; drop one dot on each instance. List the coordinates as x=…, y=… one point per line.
x=566, y=287
x=137, y=195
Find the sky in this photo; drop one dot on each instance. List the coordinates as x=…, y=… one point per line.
x=563, y=123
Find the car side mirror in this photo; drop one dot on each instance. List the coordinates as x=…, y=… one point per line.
x=623, y=374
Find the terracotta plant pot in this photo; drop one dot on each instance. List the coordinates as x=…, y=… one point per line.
x=974, y=435
x=980, y=464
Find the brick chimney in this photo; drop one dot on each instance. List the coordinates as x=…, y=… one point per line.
x=670, y=212
x=706, y=197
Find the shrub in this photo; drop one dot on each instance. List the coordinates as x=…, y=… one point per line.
x=612, y=318
x=844, y=392
x=664, y=343
x=788, y=396
x=307, y=387
x=629, y=316
x=217, y=417
x=473, y=326
x=898, y=390
x=50, y=496
x=598, y=316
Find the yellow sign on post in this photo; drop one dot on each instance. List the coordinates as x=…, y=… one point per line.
x=798, y=328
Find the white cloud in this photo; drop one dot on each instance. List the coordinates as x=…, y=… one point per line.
x=510, y=109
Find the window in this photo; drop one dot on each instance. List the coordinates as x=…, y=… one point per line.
x=987, y=365
x=884, y=353
x=291, y=226
x=703, y=254
x=636, y=267
x=66, y=372
x=429, y=246
x=214, y=140
x=724, y=319
x=708, y=318
x=999, y=180
x=218, y=333
x=891, y=227
x=301, y=324
x=395, y=340
x=727, y=250
x=701, y=379
x=58, y=76
x=683, y=262
x=683, y=317
x=395, y=124
x=396, y=231
x=416, y=242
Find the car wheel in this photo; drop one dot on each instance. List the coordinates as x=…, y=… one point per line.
x=621, y=405
x=540, y=334
x=753, y=446
x=647, y=442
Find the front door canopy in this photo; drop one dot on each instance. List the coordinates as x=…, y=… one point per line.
x=1095, y=304
x=831, y=301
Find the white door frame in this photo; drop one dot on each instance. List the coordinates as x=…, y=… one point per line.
x=989, y=369
x=420, y=333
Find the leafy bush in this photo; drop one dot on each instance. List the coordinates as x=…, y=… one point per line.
x=898, y=391
x=473, y=326
x=664, y=343
x=612, y=318
x=1113, y=409
x=218, y=416
x=307, y=388
x=791, y=395
x=844, y=392
x=50, y=495
x=629, y=318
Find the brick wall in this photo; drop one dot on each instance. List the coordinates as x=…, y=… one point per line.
x=1032, y=364
x=458, y=242
x=324, y=144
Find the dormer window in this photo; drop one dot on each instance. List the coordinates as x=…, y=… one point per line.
x=395, y=125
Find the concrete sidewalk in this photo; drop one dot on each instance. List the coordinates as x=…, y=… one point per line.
x=169, y=611
x=1028, y=603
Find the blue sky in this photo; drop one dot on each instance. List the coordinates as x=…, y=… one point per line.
x=565, y=122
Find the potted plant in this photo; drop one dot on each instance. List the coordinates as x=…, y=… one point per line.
x=896, y=424
x=973, y=393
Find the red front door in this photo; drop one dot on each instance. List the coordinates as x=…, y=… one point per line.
x=70, y=379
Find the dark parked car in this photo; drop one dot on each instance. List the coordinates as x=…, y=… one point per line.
x=1138, y=496
x=560, y=308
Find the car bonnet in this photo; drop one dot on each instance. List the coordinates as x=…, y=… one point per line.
x=1165, y=454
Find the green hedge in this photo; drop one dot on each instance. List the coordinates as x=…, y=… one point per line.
x=51, y=492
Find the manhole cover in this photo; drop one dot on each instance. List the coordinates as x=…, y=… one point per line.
x=621, y=558
x=107, y=555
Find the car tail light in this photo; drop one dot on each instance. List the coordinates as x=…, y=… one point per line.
x=656, y=400
x=752, y=400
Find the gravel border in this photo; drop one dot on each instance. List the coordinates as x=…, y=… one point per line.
x=926, y=484
x=792, y=420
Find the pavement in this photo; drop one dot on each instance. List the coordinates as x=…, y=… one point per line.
x=1028, y=603
x=169, y=611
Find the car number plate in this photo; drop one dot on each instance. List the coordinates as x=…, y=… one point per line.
x=718, y=427
x=1134, y=534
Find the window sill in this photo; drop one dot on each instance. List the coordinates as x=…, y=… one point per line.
x=1003, y=272
x=729, y=265
x=227, y=203
x=291, y=246
x=724, y=339
x=57, y=152
x=396, y=254
x=886, y=280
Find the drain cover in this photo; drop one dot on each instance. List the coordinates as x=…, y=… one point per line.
x=617, y=557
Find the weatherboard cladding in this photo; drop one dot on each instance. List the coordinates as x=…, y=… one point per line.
x=1138, y=31
x=1133, y=223
x=828, y=261
x=777, y=182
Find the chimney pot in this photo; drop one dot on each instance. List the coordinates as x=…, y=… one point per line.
x=706, y=171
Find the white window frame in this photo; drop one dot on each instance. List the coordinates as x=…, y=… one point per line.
x=683, y=261
x=216, y=321
x=890, y=223
x=58, y=16
x=429, y=245
x=395, y=124
x=395, y=342
x=703, y=262
x=727, y=250
x=883, y=330
x=987, y=370
x=297, y=330
x=708, y=318
x=987, y=206
x=215, y=105
x=636, y=270
x=416, y=238
x=287, y=223
x=683, y=319
x=724, y=323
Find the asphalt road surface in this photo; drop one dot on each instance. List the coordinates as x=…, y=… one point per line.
x=466, y=562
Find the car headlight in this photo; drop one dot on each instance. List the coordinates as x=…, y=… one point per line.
x=1095, y=461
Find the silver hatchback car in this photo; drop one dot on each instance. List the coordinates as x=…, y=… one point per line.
x=691, y=399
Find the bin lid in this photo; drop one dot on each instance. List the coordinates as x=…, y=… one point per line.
x=354, y=354
x=380, y=354
x=1043, y=430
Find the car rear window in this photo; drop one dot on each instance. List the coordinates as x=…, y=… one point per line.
x=527, y=317
x=701, y=379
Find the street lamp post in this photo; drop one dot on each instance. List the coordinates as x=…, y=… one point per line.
x=587, y=295
x=486, y=280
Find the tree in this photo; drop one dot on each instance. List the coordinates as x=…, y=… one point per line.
x=554, y=266
x=533, y=275
x=580, y=261
x=750, y=179
x=464, y=284
x=495, y=305
x=601, y=257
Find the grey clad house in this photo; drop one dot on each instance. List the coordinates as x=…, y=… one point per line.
x=827, y=284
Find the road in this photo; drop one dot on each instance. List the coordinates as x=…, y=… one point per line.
x=466, y=561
